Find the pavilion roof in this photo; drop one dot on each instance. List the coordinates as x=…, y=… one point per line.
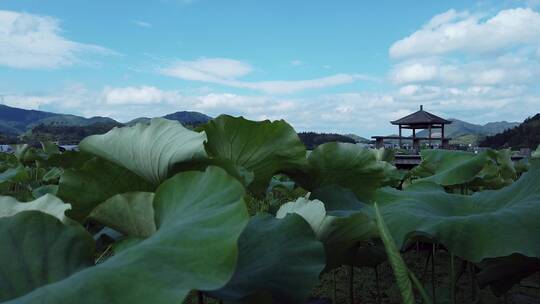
x=421, y=117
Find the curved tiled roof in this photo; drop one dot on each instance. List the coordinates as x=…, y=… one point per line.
x=421, y=117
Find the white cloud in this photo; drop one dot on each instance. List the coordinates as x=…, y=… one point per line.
x=31, y=41
x=208, y=69
x=136, y=95
x=357, y=112
x=452, y=31
x=142, y=23
x=505, y=69
x=226, y=72
x=297, y=62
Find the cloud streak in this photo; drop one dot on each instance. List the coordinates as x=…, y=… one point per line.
x=224, y=71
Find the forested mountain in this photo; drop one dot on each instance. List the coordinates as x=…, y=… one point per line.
x=21, y=125
x=15, y=121
x=187, y=118
x=311, y=139
x=526, y=135
x=459, y=128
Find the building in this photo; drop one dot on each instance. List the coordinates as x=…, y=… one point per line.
x=419, y=120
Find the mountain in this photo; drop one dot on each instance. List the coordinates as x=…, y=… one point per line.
x=525, y=135
x=311, y=139
x=358, y=139
x=15, y=121
x=187, y=118
x=460, y=128
x=32, y=126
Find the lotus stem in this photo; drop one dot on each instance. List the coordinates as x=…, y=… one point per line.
x=378, y=285
x=452, y=280
x=433, y=273
x=351, y=284
x=200, y=297
x=334, y=296
x=472, y=277
x=424, y=274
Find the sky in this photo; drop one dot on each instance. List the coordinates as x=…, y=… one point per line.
x=325, y=66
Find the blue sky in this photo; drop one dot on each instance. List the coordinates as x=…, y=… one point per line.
x=333, y=66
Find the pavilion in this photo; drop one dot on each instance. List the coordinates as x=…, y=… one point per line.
x=419, y=120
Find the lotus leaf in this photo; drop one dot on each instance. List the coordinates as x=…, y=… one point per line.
x=487, y=224
x=279, y=256
x=264, y=148
x=130, y=213
x=36, y=250
x=94, y=183
x=47, y=203
x=151, y=150
x=199, y=218
x=346, y=165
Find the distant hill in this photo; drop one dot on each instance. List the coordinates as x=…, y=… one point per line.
x=66, y=134
x=460, y=128
x=311, y=139
x=525, y=135
x=358, y=139
x=18, y=125
x=15, y=121
x=187, y=118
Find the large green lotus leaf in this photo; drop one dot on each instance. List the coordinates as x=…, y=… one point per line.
x=199, y=218
x=68, y=159
x=47, y=203
x=278, y=256
x=94, y=183
x=45, y=189
x=151, y=150
x=49, y=148
x=52, y=174
x=14, y=175
x=536, y=153
x=487, y=224
x=264, y=148
x=448, y=168
x=36, y=249
x=312, y=211
x=504, y=161
x=130, y=213
x=346, y=165
x=503, y=273
x=351, y=225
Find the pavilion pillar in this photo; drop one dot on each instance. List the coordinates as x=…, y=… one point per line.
x=429, y=141
x=400, y=136
x=443, y=144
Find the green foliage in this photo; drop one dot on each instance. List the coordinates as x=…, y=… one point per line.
x=526, y=135
x=345, y=165
x=130, y=213
x=268, y=261
x=199, y=218
x=95, y=182
x=47, y=203
x=169, y=208
x=149, y=151
x=263, y=148
x=398, y=265
x=486, y=224
x=39, y=250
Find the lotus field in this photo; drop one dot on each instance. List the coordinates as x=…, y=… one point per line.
x=238, y=211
